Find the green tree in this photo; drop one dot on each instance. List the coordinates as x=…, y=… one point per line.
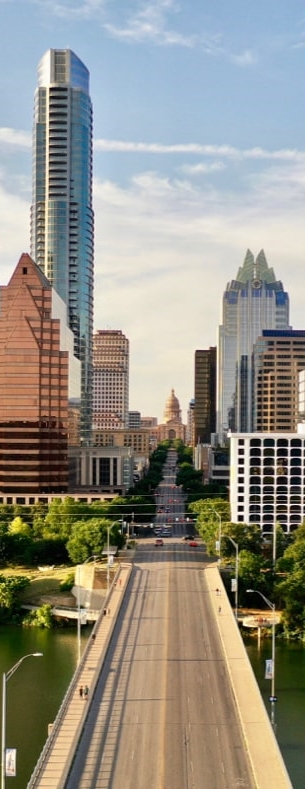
x=89, y=538
x=41, y=617
x=18, y=526
x=10, y=589
x=251, y=575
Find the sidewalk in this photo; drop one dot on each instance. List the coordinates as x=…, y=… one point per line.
x=264, y=753
x=54, y=763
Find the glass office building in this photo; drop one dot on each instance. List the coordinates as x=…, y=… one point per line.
x=62, y=222
x=253, y=302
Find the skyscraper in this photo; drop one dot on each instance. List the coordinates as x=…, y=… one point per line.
x=110, y=379
x=61, y=213
x=39, y=385
x=279, y=358
x=205, y=396
x=254, y=301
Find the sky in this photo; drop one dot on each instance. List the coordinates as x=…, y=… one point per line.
x=199, y=154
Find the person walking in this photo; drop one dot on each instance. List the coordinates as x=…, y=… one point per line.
x=81, y=692
x=86, y=691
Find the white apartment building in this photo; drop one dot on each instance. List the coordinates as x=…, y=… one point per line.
x=110, y=379
x=267, y=479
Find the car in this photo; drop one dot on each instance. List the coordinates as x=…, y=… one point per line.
x=193, y=544
x=188, y=537
x=158, y=542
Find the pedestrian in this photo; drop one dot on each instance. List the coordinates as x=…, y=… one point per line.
x=93, y=637
x=86, y=691
x=105, y=611
x=81, y=691
x=219, y=609
x=108, y=611
x=120, y=581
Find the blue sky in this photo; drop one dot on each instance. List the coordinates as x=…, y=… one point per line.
x=199, y=153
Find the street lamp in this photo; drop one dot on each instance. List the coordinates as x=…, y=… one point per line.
x=273, y=697
x=219, y=532
x=78, y=606
x=108, y=550
x=236, y=574
x=5, y=679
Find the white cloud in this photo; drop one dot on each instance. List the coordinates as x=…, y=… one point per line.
x=225, y=151
x=202, y=167
x=15, y=138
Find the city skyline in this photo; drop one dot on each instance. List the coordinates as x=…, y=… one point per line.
x=198, y=156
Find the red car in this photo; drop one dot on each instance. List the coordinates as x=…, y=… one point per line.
x=193, y=544
x=158, y=542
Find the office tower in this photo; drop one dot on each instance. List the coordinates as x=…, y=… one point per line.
x=267, y=475
x=110, y=379
x=205, y=396
x=39, y=384
x=279, y=357
x=61, y=212
x=254, y=301
x=134, y=420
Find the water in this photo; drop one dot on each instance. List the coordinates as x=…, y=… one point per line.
x=290, y=691
x=34, y=693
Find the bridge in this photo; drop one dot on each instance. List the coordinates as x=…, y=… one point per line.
x=173, y=702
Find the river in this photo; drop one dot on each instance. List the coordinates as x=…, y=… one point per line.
x=290, y=707
x=35, y=692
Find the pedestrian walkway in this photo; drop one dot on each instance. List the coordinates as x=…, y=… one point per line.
x=266, y=759
x=54, y=763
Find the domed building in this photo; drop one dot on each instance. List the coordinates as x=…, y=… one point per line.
x=171, y=426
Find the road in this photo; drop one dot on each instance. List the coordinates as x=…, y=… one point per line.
x=163, y=715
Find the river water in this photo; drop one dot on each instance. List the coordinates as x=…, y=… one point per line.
x=290, y=692
x=35, y=692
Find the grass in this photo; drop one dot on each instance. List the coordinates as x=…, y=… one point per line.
x=43, y=584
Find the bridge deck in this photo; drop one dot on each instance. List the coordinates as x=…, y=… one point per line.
x=266, y=760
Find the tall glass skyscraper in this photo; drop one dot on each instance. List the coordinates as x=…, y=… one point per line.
x=62, y=221
x=254, y=301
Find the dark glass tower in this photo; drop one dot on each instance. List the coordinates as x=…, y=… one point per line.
x=62, y=221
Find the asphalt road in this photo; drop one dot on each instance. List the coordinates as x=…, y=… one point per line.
x=163, y=715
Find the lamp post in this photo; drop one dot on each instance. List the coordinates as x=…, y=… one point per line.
x=272, y=697
x=78, y=606
x=219, y=531
x=236, y=575
x=5, y=679
x=108, y=550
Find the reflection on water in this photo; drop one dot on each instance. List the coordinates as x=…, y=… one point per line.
x=290, y=691
x=36, y=690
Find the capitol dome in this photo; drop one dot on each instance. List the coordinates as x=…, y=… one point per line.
x=172, y=410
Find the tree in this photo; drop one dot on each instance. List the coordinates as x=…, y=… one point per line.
x=250, y=574
x=41, y=617
x=10, y=588
x=89, y=538
x=18, y=526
